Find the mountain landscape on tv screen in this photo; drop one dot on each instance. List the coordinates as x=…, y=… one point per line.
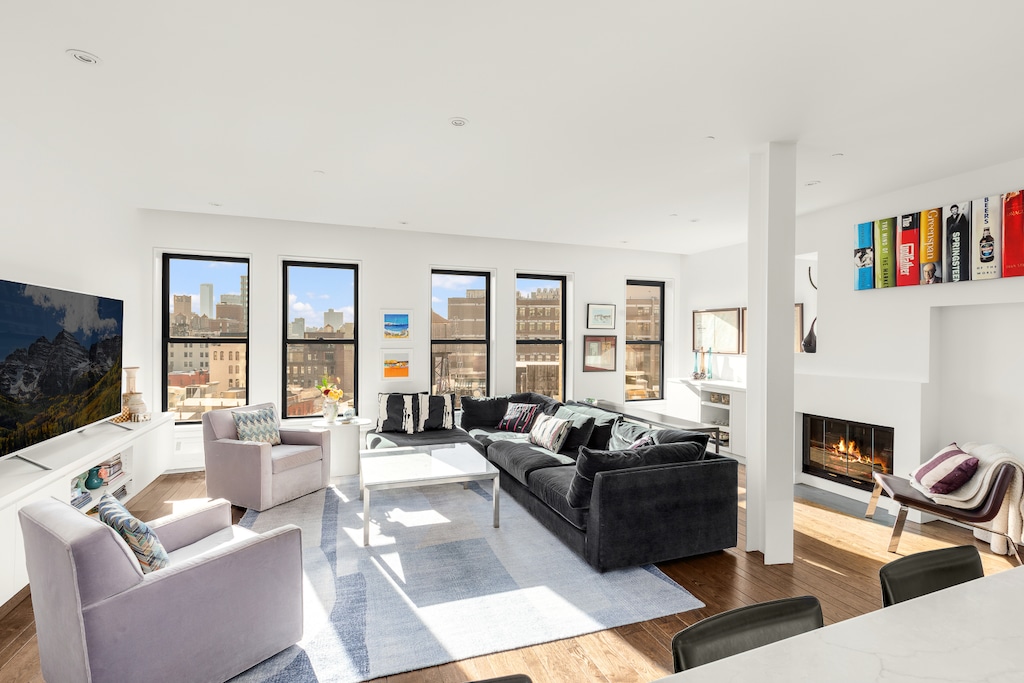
x=56, y=383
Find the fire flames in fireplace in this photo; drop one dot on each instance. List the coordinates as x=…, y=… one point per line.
x=849, y=451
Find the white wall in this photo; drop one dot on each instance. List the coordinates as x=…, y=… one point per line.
x=936, y=363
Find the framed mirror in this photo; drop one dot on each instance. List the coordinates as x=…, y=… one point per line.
x=717, y=329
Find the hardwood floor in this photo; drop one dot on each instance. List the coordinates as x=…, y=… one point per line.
x=837, y=557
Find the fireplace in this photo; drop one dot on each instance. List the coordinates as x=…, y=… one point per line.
x=845, y=451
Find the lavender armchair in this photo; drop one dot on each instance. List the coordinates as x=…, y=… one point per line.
x=257, y=475
x=229, y=599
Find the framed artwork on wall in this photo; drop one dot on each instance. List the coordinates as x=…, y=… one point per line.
x=395, y=363
x=600, y=316
x=395, y=325
x=599, y=353
x=717, y=329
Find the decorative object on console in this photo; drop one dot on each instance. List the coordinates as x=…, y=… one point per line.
x=93, y=481
x=395, y=363
x=600, y=316
x=809, y=344
x=599, y=353
x=396, y=325
x=331, y=396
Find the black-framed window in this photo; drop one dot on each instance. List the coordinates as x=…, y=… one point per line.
x=645, y=340
x=540, y=334
x=460, y=331
x=205, y=334
x=320, y=326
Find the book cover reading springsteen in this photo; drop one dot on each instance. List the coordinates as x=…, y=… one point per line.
x=958, y=241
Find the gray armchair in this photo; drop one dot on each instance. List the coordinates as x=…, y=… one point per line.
x=229, y=599
x=257, y=475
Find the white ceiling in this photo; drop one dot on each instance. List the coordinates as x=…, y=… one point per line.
x=588, y=119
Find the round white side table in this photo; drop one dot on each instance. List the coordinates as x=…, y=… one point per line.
x=344, y=444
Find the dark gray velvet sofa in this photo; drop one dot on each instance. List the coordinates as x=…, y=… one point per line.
x=612, y=505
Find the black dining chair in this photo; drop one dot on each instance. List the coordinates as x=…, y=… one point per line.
x=929, y=571
x=743, y=629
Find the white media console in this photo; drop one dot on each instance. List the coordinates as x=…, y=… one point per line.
x=145, y=449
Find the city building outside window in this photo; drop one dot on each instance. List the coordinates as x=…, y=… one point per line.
x=645, y=340
x=540, y=350
x=205, y=309
x=460, y=323
x=320, y=335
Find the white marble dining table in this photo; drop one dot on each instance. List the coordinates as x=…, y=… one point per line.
x=968, y=633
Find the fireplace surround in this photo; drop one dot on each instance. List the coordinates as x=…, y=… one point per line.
x=846, y=451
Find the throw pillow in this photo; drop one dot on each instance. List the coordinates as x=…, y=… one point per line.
x=948, y=470
x=257, y=425
x=604, y=421
x=590, y=462
x=625, y=434
x=518, y=417
x=397, y=412
x=679, y=436
x=436, y=412
x=483, y=412
x=549, y=432
x=645, y=440
x=148, y=549
x=580, y=428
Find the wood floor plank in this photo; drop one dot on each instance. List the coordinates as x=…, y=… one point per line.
x=836, y=558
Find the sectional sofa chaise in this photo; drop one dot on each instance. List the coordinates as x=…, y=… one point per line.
x=618, y=493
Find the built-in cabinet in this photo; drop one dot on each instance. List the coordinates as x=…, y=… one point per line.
x=719, y=403
x=145, y=450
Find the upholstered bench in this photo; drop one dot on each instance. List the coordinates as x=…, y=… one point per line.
x=908, y=497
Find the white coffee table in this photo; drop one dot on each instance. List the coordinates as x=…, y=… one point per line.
x=426, y=465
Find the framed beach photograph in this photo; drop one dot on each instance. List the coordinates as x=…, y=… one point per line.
x=396, y=325
x=600, y=316
x=395, y=363
x=599, y=353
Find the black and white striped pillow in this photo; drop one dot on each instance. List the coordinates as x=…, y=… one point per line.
x=436, y=412
x=397, y=412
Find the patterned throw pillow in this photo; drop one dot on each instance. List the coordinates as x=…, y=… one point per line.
x=948, y=470
x=645, y=440
x=518, y=417
x=397, y=412
x=257, y=425
x=140, y=538
x=436, y=412
x=549, y=432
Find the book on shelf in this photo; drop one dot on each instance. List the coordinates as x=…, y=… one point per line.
x=987, y=238
x=864, y=257
x=957, y=240
x=114, y=479
x=1013, y=234
x=885, y=265
x=908, y=270
x=931, y=246
x=82, y=501
x=121, y=492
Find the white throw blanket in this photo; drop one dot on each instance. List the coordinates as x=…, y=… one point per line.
x=1010, y=519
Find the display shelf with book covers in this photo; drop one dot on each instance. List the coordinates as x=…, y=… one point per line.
x=980, y=239
x=864, y=257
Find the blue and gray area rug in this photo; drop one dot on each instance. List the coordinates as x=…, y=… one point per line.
x=438, y=583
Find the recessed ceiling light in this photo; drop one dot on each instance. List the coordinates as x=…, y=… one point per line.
x=810, y=183
x=838, y=154
x=695, y=220
x=319, y=172
x=403, y=222
x=673, y=215
x=623, y=241
x=458, y=121
x=709, y=137
x=214, y=204
x=83, y=57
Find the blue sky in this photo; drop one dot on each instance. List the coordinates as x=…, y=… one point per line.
x=311, y=290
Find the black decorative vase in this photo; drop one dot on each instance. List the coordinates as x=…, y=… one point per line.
x=810, y=342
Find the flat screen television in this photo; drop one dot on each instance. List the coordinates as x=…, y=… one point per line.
x=60, y=363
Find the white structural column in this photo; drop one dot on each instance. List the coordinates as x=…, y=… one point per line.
x=770, y=299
